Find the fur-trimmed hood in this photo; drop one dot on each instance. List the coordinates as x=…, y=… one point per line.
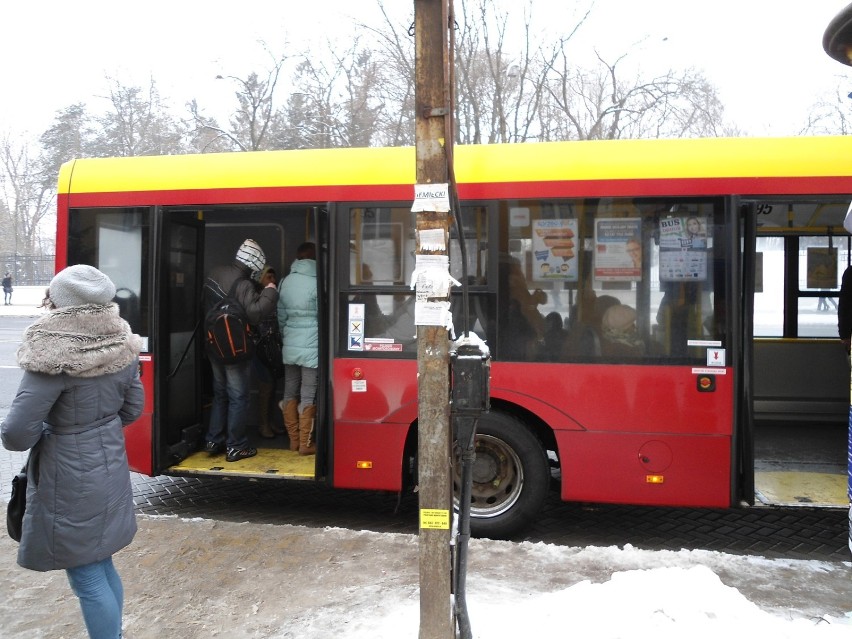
x=81, y=341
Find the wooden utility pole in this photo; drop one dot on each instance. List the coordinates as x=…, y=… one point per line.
x=435, y=440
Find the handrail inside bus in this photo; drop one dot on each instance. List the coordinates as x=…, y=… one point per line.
x=799, y=230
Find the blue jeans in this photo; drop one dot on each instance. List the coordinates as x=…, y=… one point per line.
x=300, y=382
x=230, y=410
x=101, y=595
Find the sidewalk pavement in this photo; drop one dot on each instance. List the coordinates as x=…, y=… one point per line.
x=26, y=302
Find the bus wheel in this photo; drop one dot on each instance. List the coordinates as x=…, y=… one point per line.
x=511, y=477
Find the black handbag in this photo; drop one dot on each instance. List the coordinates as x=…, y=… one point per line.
x=268, y=349
x=17, y=504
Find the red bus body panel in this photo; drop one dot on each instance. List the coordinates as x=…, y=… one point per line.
x=371, y=425
x=631, y=434
x=138, y=435
x=624, y=433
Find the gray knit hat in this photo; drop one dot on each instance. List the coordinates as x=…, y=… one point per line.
x=251, y=255
x=81, y=284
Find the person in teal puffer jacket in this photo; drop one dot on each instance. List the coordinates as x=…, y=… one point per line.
x=297, y=319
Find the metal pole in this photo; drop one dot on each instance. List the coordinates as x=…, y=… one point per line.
x=434, y=434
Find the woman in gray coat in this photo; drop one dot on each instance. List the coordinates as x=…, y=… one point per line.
x=80, y=388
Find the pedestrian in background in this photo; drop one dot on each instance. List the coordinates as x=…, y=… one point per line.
x=79, y=389
x=7, y=289
x=299, y=324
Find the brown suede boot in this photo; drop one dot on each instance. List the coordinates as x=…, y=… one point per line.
x=306, y=431
x=290, y=410
x=264, y=395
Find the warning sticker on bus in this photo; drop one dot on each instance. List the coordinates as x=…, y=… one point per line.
x=382, y=346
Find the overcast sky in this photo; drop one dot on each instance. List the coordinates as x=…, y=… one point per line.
x=765, y=56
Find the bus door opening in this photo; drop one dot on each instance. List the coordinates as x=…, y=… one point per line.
x=278, y=230
x=801, y=369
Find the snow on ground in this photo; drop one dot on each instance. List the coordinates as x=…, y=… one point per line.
x=202, y=578
x=668, y=595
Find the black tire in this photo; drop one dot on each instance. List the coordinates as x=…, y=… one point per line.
x=511, y=477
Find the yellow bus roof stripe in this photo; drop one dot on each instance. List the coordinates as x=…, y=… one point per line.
x=501, y=163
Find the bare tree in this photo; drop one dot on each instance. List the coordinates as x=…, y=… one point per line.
x=336, y=103
x=71, y=135
x=502, y=64
x=362, y=106
x=513, y=84
x=831, y=114
x=394, y=54
x=255, y=121
x=138, y=122
x=251, y=122
x=27, y=197
x=312, y=117
x=206, y=136
x=601, y=103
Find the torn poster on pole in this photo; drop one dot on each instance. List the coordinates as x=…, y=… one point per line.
x=431, y=277
x=431, y=197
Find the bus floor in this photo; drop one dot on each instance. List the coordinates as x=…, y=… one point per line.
x=274, y=457
x=801, y=463
x=270, y=461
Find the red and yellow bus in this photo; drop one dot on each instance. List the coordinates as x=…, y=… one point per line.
x=652, y=307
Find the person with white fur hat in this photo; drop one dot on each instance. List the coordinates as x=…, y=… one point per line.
x=226, y=431
x=80, y=388
x=620, y=337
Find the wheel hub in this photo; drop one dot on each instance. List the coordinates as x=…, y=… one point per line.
x=497, y=477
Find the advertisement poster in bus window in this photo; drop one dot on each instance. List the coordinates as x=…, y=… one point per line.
x=683, y=249
x=381, y=253
x=618, y=249
x=555, y=250
x=822, y=267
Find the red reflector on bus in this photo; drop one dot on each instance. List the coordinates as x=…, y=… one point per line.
x=654, y=479
x=364, y=464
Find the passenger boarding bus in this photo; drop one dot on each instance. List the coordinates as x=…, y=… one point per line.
x=660, y=313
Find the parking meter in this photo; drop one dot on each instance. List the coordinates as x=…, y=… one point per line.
x=470, y=364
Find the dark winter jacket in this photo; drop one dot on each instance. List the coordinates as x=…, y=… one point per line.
x=258, y=305
x=844, y=306
x=80, y=388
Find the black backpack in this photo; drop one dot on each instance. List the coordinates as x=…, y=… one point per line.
x=229, y=335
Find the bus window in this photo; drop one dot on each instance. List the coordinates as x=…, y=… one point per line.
x=608, y=280
x=769, y=287
x=116, y=242
x=801, y=253
x=381, y=261
x=475, y=227
x=382, y=246
x=821, y=266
